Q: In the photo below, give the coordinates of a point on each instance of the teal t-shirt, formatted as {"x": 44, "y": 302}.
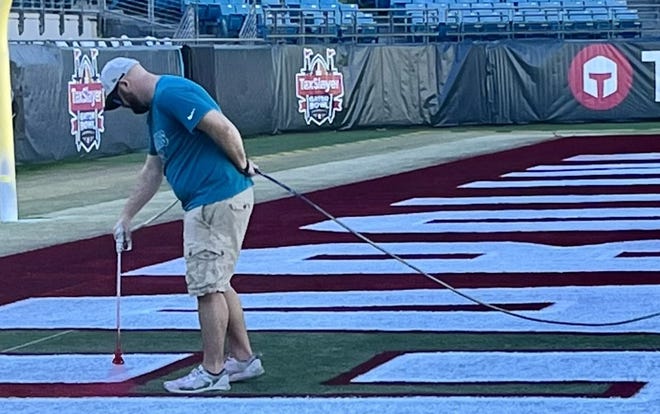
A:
{"x": 195, "y": 166}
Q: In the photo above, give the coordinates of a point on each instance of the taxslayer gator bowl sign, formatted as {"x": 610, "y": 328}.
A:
{"x": 319, "y": 87}
{"x": 600, "y": 77}
{"x": 86, "y": 101}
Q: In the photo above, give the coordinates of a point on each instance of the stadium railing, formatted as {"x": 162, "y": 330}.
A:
{"x": 328, "y": 21}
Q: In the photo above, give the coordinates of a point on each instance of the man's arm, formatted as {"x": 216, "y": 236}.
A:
{"x": 148, "y": 181}
{"x": 225, "y": 134}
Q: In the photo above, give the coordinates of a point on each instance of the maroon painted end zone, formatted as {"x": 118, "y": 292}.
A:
{"x": 87, "y": 267}
{"x": 377, "y": 360}
{"x": 65, "y": 390}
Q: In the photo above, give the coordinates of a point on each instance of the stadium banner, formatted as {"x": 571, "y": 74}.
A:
{"x": 276, "y": 88}
{"x": 462, "y": 74}
{"x": 310, "y": 87}
{"x": 556, "y": 81}
{"x": 244, "y": 86}
{"x": 507, "y": 82}
{"x": 240, "y": 78}
{"x": 350, "y": 86}
{"x": 60, "y": 104}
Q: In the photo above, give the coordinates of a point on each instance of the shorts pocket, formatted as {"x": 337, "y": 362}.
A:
{"x": 203, "y": 268}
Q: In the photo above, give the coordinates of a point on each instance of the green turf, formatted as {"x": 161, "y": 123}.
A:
{"x": 255, "y": 146}
{"x": 300, "y": 363}
{"x": 271, "y": 144}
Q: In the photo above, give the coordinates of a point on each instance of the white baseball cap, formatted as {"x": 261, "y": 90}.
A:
{"x": 112, "y": 72}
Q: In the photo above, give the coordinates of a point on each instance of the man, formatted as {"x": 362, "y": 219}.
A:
{"x": 202, "y": 155}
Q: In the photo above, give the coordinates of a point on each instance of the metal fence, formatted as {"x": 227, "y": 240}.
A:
{"x": 149, "y": 17}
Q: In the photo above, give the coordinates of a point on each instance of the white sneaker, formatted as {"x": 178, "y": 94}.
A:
{"x": 199, "y": 380}
{"x": 243, "y": 370}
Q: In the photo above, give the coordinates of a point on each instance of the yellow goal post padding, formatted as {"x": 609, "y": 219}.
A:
{"x": 8, "y": 198}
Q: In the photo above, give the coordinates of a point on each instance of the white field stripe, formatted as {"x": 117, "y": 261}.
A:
{"x": 351, "y": 405}
{"x": 79, "y": 368}
{"x": 581, "y": 304}
{"x": 538, "y": 199}
{"x": 582, "y": 173}
{"x": 596, "y": 182}
{"x": 490, "y": 221}
{"x": 439, "y": 367}
{"x": 36, "y": 341}
{"x": 577, "y": 167}
{"x": 494, "y": 258}
{"x": 632, "y": 156}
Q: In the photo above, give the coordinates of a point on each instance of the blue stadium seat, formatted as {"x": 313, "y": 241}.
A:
{"x": 314, "y": 18}
{"x": 528, "y": 5}
{"x": 518, "y": 22}
{"x": 570, "y": 5}
{"x": 453, "y": 24}
{"x": 580, "y": 22}
{"x": 366, "y": 23}
{"x": 536, "y": 20}
{"x": 535, "y": 23}
{"x": 602, "y": 19}
{"x": 331, "y": 12}
{"x": 622, "y": 4}
{"x": 399, "y": 4}
{"x": 482, "y": 6}
{"x": 326, "y": 4}
{"x": 275, "y": 4}
{"x": 278, "y": 22}
{"x": 502, "y": 6}
{"x": 292, "y": 4}
{"x": 494, "y": 24}
{"x": 308, "y": 4}
{"x": 348, "y": 18}
{"x": 484, "y": 19}
{"x": 208, "y": 9}
{"x": 599, "y": 10}
{"x": 470, "y": 25}
{"x": 355, "y": 22}
{"x": 626, "y": 23}
{"x": 551, "y": 5}
{"x": 416, "y": 20}
{"x": 230, "y": 19}
{"x": 424, "y": 18}
{"x": 553, "y": 19}
{"x": 591, "y": 4}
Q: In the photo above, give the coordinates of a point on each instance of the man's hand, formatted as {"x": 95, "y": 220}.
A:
{"x": 122, "y": 233}
{"x": 250, "y": 169}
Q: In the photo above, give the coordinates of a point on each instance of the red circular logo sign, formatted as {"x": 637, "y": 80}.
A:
{"x": 600, "y": 77}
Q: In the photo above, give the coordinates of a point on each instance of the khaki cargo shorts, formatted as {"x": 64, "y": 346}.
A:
{"x": 212, "y": 239}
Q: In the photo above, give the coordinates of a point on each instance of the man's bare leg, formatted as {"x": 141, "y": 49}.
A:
{"x": 213, "y": 319}
{"x": 237, "y": 336}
